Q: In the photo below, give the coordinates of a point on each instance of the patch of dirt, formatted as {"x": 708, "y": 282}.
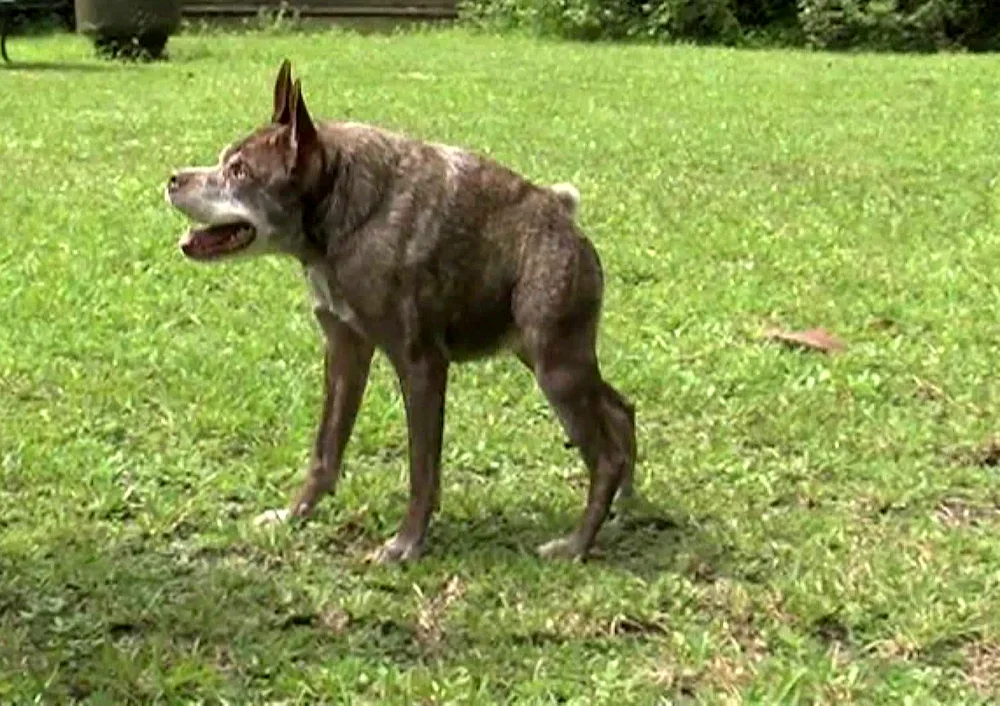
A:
{"x": 295, "y": 620}
{"x": 571, "y": 625}
{"x": 989, "y": 454}
{"x": 883, "y": 324}
{"x": 928, "y": 391}
{"x": 724, "y": 677}
{"x": 896, "y": 649}
{"x": 671, "y": 677}
{"x": 985, "y": 455}
{"x": 433, "y": 610}
{"x": 222, "y": 659}
{"x": 831, "y": 630}
{"x": 795, "y": 499}
{"x": 982, "y": 667}
{"x": 334, "y": 619}
{"x": 740, "y": 618}
{"x": 958, "y": 512}
{"x": 701, "y": 570}
{"x": 623, "y": 625}
{"x": 122, "y": 629}
{"x": 576, "y": 626}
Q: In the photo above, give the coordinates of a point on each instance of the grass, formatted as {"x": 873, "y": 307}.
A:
{"x": 828, "y": 528}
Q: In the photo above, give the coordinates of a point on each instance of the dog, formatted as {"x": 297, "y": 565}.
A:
{"x": 432, "y": 255}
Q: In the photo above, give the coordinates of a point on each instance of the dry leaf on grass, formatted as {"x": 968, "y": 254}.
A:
{"x": 957, "y": 512}
{"x": 335, "y": 619}
{"x": 816, "y": 339}
{"x": 430, "y": 618}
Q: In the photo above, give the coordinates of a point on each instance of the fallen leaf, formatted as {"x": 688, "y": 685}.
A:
{"x": 814, "y": 339}
{"x": 430, "y": 629}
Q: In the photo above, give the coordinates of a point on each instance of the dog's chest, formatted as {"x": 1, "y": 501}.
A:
{"x": 327, "y": 299}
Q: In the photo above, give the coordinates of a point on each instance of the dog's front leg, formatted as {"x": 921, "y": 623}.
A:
{"x": 347, "y": 361}
{"x": 424, "y": 380}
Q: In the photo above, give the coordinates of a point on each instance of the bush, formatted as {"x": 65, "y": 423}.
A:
{"x": 900, "y": 25}
{"x": 699, "y": 20}
{"x": 875, "y": 24}
{"x": 975, "y": 24}
{"x": 766, "y": 14}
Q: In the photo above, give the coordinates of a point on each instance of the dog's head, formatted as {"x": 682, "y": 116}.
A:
{"x": 254, "y": 200}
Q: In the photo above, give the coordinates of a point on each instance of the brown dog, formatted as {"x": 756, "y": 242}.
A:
{"x": 432, "y": 255}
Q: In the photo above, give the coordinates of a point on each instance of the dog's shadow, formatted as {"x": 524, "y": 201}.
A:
{"x": 140, "y": 589}
{"x": 648, "y": 542}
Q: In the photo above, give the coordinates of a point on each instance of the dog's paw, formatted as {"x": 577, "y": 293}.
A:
{"x": 396, "y": 551}
{"x": 563, "y": 548}
{"x": 629, "y": 509}
{"x": 273, "y": 517}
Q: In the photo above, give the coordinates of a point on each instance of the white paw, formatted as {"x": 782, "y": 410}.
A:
{"x": 563, "y": 548}
{"x": 272, "y": 517}
{"x": 396, "y": 551}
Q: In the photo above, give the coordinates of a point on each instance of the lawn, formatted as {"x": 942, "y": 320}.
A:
{"x": 824, "y": 525}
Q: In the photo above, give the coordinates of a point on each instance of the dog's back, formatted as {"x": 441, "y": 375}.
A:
{"x": 454, "y": 227}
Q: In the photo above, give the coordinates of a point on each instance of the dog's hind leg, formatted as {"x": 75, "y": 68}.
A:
{"x": 557, "y": 308}
{"x": 567, "y": 372}
{"x": 347, "y": 363}
{"x": 619, "y": 415}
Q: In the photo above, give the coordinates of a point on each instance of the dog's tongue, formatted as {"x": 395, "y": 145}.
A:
{"x": 216, "y": 240}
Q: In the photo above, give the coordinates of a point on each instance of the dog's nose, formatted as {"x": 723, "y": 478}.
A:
{"x": 173, "y": 182}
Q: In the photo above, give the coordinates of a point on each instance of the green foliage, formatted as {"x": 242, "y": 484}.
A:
{"x": 880, "y": 24}
{"x": 697, "y": 20}
{"x": 903, "y": 25}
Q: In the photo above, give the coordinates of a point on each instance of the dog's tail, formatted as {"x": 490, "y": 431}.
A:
{"x": 568, "y": 195}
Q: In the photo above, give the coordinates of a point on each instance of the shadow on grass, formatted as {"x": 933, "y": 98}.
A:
{"x": 28, "y": 66}
{"x": 648, "y": 544}
{"x": 112, "y": 612}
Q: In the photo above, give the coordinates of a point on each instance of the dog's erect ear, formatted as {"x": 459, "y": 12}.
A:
{"x": 303, "y": 131}
{"x": 282, "y": 95}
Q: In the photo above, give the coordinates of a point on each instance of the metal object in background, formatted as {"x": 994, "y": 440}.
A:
{"x": 129, "y": 28}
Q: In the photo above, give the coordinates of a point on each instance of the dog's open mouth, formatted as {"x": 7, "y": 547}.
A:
{"x": 217, "y": 241}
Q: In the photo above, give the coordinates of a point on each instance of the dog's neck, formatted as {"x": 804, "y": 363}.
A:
{"x": 352, "y": 188}
{"x": 317, "y": 208}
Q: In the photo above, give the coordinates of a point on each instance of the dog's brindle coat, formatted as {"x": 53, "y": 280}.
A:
{"x": 433, "y": 255}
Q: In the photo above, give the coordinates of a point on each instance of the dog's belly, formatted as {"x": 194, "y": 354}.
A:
{"x": 479, "y": 334}
{"x": 479, "y": 329}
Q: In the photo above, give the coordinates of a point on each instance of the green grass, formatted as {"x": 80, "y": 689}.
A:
{"x": 828, "y": 529}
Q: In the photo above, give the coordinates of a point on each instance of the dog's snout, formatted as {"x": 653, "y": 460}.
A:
{"x": 178, "y": 183}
